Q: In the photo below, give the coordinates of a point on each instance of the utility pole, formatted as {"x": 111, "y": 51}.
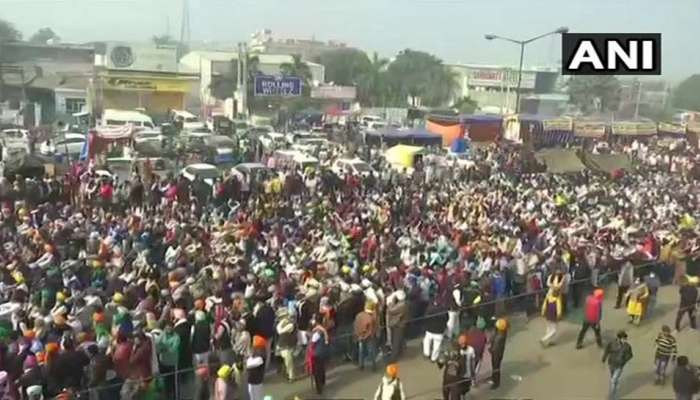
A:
{"x": 243, "y": 54}
{"x": 639, "y": 98}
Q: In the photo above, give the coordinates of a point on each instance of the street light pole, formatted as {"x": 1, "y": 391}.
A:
{"x": 520, "y": 78}
{"x": 522, "y": 44}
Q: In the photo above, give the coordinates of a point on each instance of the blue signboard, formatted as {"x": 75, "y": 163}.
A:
{"x": 286, "y": 86}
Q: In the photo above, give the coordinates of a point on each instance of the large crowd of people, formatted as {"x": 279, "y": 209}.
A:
{"x": 170, "y": 288}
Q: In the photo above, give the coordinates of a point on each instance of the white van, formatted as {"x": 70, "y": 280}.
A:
{"x": 294, "y": 159}
{"x": 112, "y": 117}
{"x": 189, "y": 120}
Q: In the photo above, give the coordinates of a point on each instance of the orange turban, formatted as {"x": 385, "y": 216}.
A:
{"x": 52, "y": 348}
{"x": 259, "y": 342}
{"x": 392, "y": 370}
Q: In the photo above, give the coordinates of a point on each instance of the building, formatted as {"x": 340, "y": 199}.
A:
{"x": 494, "y": 86}
{"x": 309, "y": 49}
{"x": 652, "y": 95}
{"x": 144, "y": 76}
{"x": 46, "y": 82}
{"x": 218, "y": 71}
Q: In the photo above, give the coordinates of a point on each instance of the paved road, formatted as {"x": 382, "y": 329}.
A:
{"x": 529, "y": 371}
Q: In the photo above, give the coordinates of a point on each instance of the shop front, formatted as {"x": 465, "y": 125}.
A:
{"x": 155, "y": 92}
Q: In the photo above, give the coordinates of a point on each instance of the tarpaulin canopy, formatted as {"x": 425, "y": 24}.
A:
{"x": 634, "y": 128}
{"x": 560, "y": 161}
{"x": 589, "y": 129}
{"x": 416, "y": 136}
{"x": 449, "y": 131}
{"x": 460, "y": 146}
{"x": 607, "y": 163}
{"x": 546, "y": 131}
{"x": 403, "y": 155}
{"x": 118, "y": 132}
{"x": 667, "y": 129}
{"x": 477, "y": 127}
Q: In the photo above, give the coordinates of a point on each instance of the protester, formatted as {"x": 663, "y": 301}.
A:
{"x": 688, "y": 303}
{"x": 617, "y": 354}
{"x": 497, "y": 350}
{"x": 666, "y": 350}
{"x": 316, "y": 357}
{"x": 435, "y": 327}
{"x": 366, "y": 334}
{"x": 452, "y": 363}
{"x": 592, "y": 315}
{"x": 637, "y": 298}
{"x": 685, "y": 380}
{"x": 255, "y": 366}
{"x": 390, "y": 388}
{"x": 552, "y": 311}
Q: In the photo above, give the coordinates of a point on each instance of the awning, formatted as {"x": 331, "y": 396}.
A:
{"x": 589, "y": 129}
{"x": 634, "y": 128}
{"x": 402, "y": 155}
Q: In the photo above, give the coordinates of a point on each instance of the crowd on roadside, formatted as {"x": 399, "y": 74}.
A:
{"x": 170, "y": 288}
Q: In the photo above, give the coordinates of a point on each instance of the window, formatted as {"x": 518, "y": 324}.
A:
{"x": 74, "y": 105}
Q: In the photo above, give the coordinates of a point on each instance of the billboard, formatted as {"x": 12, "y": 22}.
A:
{"x": 334, "y": 92}
{"x": 286, "y": 86}
{"x": 498, "y": 77}
{"x": 140, "y": 57}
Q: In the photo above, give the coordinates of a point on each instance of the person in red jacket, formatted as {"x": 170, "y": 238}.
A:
{"x": 592, "y": 314}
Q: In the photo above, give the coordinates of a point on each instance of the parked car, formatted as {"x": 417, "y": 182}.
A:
{"x": 189, "y": 120}
{"x": 205, "y": 172}
{"x": 70, "y": 144}
{"x": 248, "y": 173}
{"x": 356, "y": 166}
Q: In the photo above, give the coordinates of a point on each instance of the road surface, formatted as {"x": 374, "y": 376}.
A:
{"x": 529, "y": 372}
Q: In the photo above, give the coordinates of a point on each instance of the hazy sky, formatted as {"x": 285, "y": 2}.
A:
{"x": 452, "y": 29}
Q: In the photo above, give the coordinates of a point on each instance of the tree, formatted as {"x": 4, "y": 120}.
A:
{"x": 465, "y": 105}
{"x": 8, "y": 32}
{"x": 373, "y": 84}
{"x": 687, "y": 95}
{"x": 298, "y": 68}
{"x": 43, "y": 35}
{"x": 594, "y": 93}
{"x": 421, "y": 75}
{"x": 344, "y": 66}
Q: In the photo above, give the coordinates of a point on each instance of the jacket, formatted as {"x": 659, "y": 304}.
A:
{"x": 168, "y": 347}
{"x": 390, "y": 389}
{"x": 685, "y": 381}
{"x": 437, "y": 323}
{"x": 594, "y": 310}
{"x": 626, "y": 276}
{"x": 396, "y": 314}
{"x": 498, "y": 347}
{"x": 689, "y": 296}
{"x": 140, "y": 361}
{"x": 617, "y": 353}
{"x": 365, "y": 325}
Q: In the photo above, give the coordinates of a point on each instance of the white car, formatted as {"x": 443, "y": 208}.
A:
{"x": 355, "y": 165}
{"x": 462, "y": 159}
{"x": 270, "y": 138}
{"x": 70, "y": 144}
{"x": 15, "y": 137}
{"x": 205, "y": 172}
{"x": 148, "y": 136}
